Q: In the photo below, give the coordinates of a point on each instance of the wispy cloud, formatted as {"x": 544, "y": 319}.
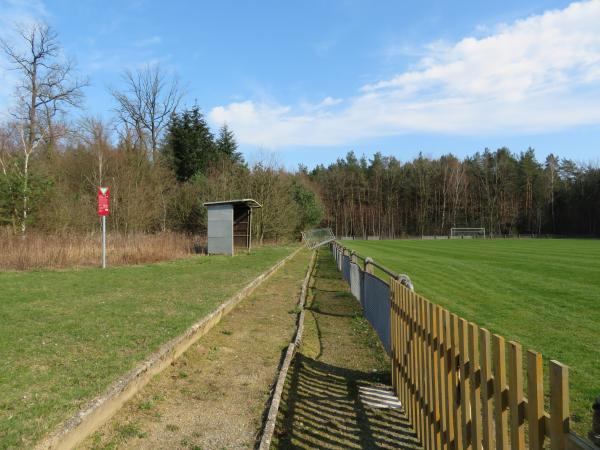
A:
{"x": 537, "y": 74}
{"x": 148, "y": 42}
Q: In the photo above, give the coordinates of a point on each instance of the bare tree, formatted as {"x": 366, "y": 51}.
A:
{"x": 146, "y": 104}
{"x": 47, "y": 85}
{"x": 94, "y": 132}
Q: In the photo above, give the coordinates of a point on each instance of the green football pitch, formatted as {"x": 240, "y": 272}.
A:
{"x": 544, "y": 294}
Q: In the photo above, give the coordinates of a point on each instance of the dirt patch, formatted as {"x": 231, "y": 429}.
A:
{"x": 214, "y": 395}
{"x": 340, "y": 356}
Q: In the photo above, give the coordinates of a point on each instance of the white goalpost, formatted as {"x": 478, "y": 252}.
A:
{"x": 468, "y": 233}
{"x": 318, "y": 237}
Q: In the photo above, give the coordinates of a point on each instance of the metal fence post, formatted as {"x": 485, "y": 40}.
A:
{"x": 368, "y": 265}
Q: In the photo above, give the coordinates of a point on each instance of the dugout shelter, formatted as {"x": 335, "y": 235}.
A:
{"x": 230, "y": 225}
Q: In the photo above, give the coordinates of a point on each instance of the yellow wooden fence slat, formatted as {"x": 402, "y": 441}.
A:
{"x": 417, "y": 363}
{"x": 535, "y": 403}
{"x": 464, "y": 384}
{"x": 434, "y": 377}
{"x": 422, "y": 375}
{"x": 428, "y": 377}
{"x": 441, "y": 375}
{"x": 500, "y": 397}
{"x": 487, "y": 390}
{"x": 457, "y": 413}
{"x": 449, "y": 383}
{"x": 559, "y": 405}
{"x": 515, "y": 396}
{"x": 473, "y": 338}
{"x": 413, "y": 364}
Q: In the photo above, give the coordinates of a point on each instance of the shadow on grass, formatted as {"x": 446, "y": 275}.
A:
{"x": 324, "y": 410}
{"x": 321, "y": 405}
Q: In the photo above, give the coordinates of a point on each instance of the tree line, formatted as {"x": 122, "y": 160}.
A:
{"x": 162, "y": 166}
{"x": 505, "y": 193}
{"x": 162, "y": 161}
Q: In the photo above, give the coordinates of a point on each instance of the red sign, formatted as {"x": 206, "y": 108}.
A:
{"x": 103, "y": 197}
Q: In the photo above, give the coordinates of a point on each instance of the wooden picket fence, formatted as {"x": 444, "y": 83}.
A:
{"x": 451, "y": 377}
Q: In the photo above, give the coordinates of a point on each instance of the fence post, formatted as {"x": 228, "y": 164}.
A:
{"x": 559, "y": 405}
{"x": 595, "y": 433}
{"x": 515, "y": 396}
{"x": 535, "y": 407}
{"x": 475, "y": 380}
{"x": 368, "y": 265}
{"x": 487, "y": 389}
{"x": 464, "y": 383}
{"x": 500, "y": 393}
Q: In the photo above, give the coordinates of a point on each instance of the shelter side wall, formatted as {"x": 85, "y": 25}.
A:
{"x": 220, "y": 229}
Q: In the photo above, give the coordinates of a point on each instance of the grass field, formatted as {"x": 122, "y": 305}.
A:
{"x": 66, "y": 335}
{"x": 544, "y": 294}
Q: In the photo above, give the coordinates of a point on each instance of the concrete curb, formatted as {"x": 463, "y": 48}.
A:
{"x": 269, "y": 428}
{"x": 102, "y": 408}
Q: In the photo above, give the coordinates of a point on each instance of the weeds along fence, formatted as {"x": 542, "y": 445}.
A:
{"x": 461, "y": 386}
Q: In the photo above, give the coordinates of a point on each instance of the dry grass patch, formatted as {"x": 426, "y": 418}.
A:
{"x": 41, "y": 251}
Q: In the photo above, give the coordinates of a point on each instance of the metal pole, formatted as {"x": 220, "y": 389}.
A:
{"x": 104, "y": 242}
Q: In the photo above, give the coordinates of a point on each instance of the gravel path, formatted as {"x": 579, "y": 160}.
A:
{"x": 213, "y": 397}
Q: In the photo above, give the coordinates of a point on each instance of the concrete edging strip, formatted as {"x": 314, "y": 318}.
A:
{"x": 98, "y": 411}
{"x": 269, "y": 428}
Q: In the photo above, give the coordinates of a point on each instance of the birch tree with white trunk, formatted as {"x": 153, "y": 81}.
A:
{"x": 47, "y": 86}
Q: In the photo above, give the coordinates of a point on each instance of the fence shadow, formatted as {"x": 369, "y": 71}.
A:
{"x": 325, "y": 410}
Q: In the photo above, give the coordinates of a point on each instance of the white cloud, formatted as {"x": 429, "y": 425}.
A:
{"x": 538, "y": 74}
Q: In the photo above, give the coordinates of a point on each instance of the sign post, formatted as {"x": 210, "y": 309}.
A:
{"x": 103, "y": 210}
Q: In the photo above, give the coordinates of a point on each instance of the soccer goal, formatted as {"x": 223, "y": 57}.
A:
{"x": 468, "y": 233}
{"x": 315, "y": 238}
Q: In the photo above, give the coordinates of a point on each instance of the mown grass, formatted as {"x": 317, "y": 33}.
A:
{"x": 340, "y": 353}
{"x": 544, "y": 294}
{"x": 66, "y": 335}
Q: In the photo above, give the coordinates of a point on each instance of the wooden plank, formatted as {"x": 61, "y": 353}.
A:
{"x": 487, "y": 390}
{"x": 403, "y": 335}
{"x": 412, "y": 356}
{"x": 456, "y": 414}
{"x": 448, "y": 382}
{"x": 441, "y": 375}
{"x": 394, "y": 340}
{"x": 474, "y": 375}
{"x": 500, "y": 397}
{"x": 418, "y": 417}
{"x": 559, "y": 405}
{"x": 428, "y": 376}
{"x": 515, "y": 396}
{"x": 434, "y": 376}
{"x": 464, "y": 384}
{"x": 535, "y": 404}
{"x": 421, "y": 372}
{"x": 404, "y": 328}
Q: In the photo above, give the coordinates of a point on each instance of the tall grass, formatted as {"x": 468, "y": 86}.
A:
{"x": 40, "y": 251}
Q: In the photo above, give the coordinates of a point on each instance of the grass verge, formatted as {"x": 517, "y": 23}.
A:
{"x": 66, "y": 335}
{"x": 213, "y": 396}
{"x": 340, "y": 354}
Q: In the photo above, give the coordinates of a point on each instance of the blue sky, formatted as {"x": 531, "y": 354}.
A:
{"x": 310, "y": 80}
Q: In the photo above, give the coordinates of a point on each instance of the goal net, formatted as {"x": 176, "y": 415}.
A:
{"x": 469, "y": 233}
{"x": 317, "y": 237}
